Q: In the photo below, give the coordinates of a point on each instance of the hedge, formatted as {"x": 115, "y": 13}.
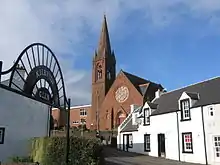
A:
{"x": 51, "y": 151}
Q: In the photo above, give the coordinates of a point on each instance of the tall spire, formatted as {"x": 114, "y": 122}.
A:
{"x": 104, "y": 41}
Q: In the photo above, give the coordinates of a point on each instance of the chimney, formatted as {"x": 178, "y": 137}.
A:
{"x": 158, "y": 93}
{"x": 133, "y": 107}
{"x": 0, "y": 73}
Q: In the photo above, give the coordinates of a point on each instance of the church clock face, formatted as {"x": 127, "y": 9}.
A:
{"x": 122, "y": 94}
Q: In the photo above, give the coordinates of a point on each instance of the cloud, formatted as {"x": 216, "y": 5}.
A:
{"x": 64, "y": 25}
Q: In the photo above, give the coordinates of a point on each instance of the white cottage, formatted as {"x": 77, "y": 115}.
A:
{"x": 21, "y": 118}
{"x": 181, "y": 125}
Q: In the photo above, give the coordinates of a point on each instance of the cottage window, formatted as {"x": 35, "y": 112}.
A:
{"x": 83, "y": 112}
{"x": 187, "y": 142}
{"x": 185, "y": 107}
{"x": 147, "y": 142}
{"x": 217, "y": 146}
{"x": 146, "y": 116}
{"x": 75, "y": 122}
{"x": 2, "y": 135}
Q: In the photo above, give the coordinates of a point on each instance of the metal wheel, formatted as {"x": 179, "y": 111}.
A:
{"x": 37, "y": 73}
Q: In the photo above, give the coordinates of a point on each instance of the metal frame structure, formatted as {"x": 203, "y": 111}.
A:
{"x": 37, "y": 74}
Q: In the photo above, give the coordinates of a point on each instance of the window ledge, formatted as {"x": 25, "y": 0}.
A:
{"x": 187, "y": 152}
{"x": 185, "y": 119}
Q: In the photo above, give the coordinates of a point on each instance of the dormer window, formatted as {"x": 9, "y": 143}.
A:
{"x": 185, "y": 108}
{"x": 146, "y": 116}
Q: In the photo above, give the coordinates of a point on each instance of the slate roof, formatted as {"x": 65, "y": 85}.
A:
{"x": 18, "y": 83}
{"x": 194, "y": 96}
{"x": 152, "y": 105}
{"x": 139, "y": 83}
{"x": 208, "y": 92}
{"x": 129, "y": 127}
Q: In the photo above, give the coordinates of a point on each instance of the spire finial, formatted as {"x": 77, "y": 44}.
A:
{"x": 104, "y": 41}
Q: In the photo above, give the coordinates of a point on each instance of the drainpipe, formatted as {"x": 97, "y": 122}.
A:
{"x": 204, "y": 135}
{"x": 0, "y": 73}
{"x": 178, "y": 133}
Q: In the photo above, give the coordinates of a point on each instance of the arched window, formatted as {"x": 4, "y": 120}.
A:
{"x": 99, "y": 72}
{"x": 112, "y": 118}
{"x": 106, "y": 115}
{"x": 120, "y": 118}
{"x": 108, "y": 75}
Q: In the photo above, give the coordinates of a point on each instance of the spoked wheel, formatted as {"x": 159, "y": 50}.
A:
{"x": 37, "y": 73}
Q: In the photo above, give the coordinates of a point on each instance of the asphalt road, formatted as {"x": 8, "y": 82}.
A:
{"x": 116, "y": 157}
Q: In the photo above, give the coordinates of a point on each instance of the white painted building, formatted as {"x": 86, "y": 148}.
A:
{"x": 181, "y": 125}
{"x": 21, "y": 118}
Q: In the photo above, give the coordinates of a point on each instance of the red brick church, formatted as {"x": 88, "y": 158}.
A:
{"x": 112, "y": 94}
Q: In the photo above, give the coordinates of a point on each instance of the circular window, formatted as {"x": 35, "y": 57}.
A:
{"x": 122, "y": 94}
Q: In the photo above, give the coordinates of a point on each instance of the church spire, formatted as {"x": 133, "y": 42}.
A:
{"x": 104, "y": 41}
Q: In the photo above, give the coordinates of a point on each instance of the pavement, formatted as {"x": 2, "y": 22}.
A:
{"x": 116, "y": 157}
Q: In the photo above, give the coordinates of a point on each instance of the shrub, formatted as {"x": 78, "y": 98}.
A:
{"x": 51, "y": 151}
{"x": 20, "y": 159}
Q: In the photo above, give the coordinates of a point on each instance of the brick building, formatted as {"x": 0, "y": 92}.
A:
{"x": 111, "y": 95}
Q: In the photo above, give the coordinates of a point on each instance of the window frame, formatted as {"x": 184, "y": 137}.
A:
{"x": 99, "y": 72}
{"x": 83, "y": 112}
{"x": 184, "y": 150}
{"x": 2, "y": 135}
{"x": 145, "y": 117}
{"x": 146, "y": 149}
{"x": 216, "y": 140}
{"x": 183, "y": 118}
{"x": 75, "y": 122}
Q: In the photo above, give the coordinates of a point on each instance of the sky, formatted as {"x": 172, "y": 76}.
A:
{"x": 174, "y": 42}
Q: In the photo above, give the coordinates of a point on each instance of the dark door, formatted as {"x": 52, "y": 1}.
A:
{"x": 161, "y": 145}
{"x": 125, "y": 142}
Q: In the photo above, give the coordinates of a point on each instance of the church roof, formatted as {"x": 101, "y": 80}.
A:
{"x": 140, "y": 84}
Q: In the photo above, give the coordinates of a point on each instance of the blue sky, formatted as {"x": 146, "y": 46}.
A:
{"x": 182, "y": 53}
{"x": 172, "y": 42}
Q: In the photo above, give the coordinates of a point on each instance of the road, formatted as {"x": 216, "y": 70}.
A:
{"x": 116, "y": 157}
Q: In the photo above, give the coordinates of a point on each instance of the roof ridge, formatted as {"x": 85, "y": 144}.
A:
{"x": 134, "y": 75}
{"x": 210, "y": 79}
{"x": 144, "y": 84}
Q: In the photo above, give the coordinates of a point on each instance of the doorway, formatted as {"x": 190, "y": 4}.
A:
{"x": 161, "y": 145}
{"x": 127, "y": 142}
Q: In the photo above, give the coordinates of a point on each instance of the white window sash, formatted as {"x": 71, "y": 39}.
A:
{"x": 186, "y": 109}
{"x": 186, "y": 149}
{"x": 147, "y": 142}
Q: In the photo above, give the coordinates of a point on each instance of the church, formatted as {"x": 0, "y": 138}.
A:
{"x": 112, "y": 95}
